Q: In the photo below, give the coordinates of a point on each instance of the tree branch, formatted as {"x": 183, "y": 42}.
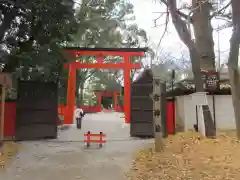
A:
{"x": 179, "y": 24}
{"x": 165, "y": 29}
{"x": 183, "y": 15}
{"x": 91, "y": 74}
{"x": 221, "y": 10}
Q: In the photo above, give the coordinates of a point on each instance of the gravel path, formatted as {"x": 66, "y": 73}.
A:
{"x": 67, "y": 158}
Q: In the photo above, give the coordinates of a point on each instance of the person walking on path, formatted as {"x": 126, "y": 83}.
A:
{"x": 79, "y": 114}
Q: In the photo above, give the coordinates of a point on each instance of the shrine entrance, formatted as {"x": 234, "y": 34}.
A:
{"x": 100, "y": 54}
{"x": 107, "y": 103}
{"x": 108, "y": 100}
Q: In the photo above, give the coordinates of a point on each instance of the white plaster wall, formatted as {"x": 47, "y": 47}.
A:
{"x": 180, "y": 116}
{"x": 190, "y": 111}
{"x": 224, "y": 112}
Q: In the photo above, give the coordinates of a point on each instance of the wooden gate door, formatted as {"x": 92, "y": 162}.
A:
{"x": 141, "y": 110}
{"x": 37, "y": 110}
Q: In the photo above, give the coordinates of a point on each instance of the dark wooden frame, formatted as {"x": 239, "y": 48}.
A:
{"x": 37, "y": 110}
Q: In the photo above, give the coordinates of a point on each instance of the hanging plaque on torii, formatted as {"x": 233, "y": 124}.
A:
{"x": 100, "y": 53}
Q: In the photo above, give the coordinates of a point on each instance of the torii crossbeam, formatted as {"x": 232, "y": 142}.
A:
{"x": 100, "y": 53}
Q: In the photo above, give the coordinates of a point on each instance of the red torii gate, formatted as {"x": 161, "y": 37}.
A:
{"x": 106, "y": 93}
{"x": 99, "y": 53}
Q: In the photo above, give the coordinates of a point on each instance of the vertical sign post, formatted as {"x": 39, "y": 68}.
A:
{"x": 157, "y": 117}
{"x": 164, "y": 110}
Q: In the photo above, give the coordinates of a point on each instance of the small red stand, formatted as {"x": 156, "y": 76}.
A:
{"x": 88, "y": 140}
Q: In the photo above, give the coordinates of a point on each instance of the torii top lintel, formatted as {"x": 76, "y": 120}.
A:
{"x": 105, "y": 51}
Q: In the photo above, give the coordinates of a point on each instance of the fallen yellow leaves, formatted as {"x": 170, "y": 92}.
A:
{"x": 189, "y": 156}
{"x": 10, "y": 149}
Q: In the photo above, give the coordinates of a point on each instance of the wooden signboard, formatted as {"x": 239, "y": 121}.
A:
{"x": 157, "y": 114}
{"x": 211, "y": 81}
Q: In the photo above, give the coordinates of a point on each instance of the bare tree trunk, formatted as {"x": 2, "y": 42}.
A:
{"x": 201, "y": 22}
{"x": 185, "y": 36}
{"x": 196, "y": 69}
{"x": 233, "y": 63}
{"x": 81, "y": 93}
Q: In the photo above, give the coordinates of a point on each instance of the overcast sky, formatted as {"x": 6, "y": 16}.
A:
{"x": 145, "y": 14}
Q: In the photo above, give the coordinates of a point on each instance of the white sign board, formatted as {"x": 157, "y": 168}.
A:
{"x": 199, "y": 98}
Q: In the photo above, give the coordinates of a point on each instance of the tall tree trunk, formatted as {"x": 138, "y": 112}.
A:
{"x": 185, "y": 36}
{"x": 203, "y": 33}
{"x": 81, "y": 78}
{"x": 204, "y": 44}
{"x": 79, "y": 93}
{"x": 233, "y": 63}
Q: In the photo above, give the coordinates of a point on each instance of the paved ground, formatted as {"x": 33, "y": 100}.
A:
{"x": 66, "y": 158}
